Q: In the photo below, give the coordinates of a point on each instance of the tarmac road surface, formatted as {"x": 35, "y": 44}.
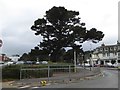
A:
{"x": 109, "y": 80}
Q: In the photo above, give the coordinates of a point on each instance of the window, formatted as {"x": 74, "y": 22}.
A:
{"x": 100, "y": 49}
{"x": 103, "y": 54}
{"x": 115, "y": 53}
{"x": 118, "y": 47}
{"x": 111, "y": 49}
{"x": 118, "y": 61}
{"x": 106, "y": 49}
{"x": 108, "y": 54}
{"x": 107, "y": 61}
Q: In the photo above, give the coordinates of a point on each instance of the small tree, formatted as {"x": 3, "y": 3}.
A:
{"x": 62, "y": 28}
{"x": 24, "y": 57}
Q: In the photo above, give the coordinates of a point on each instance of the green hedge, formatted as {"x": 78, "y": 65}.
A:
{"x": 13, "y": 72}
{"x": 36, "y": 73}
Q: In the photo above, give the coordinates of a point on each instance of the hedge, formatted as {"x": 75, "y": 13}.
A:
{"x": 13, "y": 72}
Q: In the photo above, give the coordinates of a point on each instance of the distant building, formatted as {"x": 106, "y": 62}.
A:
{"x": 14, "y": 58}
{"x": 106, "y": 54}
{"x": 3, "y": 57}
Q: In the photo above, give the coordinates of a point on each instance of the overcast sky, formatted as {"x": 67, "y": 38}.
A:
{"x": 17, "y": 16}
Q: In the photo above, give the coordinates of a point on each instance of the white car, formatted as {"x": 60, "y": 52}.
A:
{"x": 8, "y": 63}
{"x": 37, "y": 62}
{"x": 86, "y": 65}
{"x": 109, "y": 64}
{"x": 20, "y": 62}
{"x": 116, "y": 65}
{"x": 1, "y": 64}
{"x": 44, "y": 62}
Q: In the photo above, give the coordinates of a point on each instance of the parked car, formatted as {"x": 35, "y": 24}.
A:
{"x": 109, "y": 64}
{"x": 96, "y": 65}
{"x": 1, "y": 63}
{"x": 20, "y": 62}
{"x": 44, "y": 62}
{"x": 28, "y": 62}
{"x": 37, "y": 62}
{"x": 9, "y": 63}
{"x": 116, "y": 65}
{"x": 86, "y": 65}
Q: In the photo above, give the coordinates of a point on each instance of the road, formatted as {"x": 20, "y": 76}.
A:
{"x": 109, "y": 80}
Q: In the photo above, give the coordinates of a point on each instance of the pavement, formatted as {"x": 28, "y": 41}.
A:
{"x": 58, "y": 78}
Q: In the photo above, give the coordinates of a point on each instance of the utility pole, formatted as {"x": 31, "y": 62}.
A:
{"x": 90, "y": 57}
{"x": 74, "y": 60}
{"x": 75, "y": 47}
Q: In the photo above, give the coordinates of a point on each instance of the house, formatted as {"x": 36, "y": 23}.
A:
{"x": 106, "y": 54}
{"x": 14, "y": 58}
{"x": 3, "y": 57}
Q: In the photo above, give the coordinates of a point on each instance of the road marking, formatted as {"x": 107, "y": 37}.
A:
{"x": 25, "y": 86}
{"x": 34, "y": 87}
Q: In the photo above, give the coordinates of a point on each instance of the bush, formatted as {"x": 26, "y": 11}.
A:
{"x": 13, "y": 72}
{"x": 36, "y": 74}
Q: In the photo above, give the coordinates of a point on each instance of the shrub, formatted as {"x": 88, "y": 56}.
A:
{"x": 13, "y": 72}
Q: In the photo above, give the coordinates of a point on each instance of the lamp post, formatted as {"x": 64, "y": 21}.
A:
{"x": 75, "y": 48}
{"x": 74, "y": 60}
{"x": 90, "y": 57}
{"x": 83, "y": 57}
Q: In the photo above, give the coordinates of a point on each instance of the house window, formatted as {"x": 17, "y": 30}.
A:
{"x": 115, "y": 53}
{"x": 108, "y": 54}
{"x": 118, "y": 61}
{"x": 111, "y": 49}
{"x": 118, "y": 47}
{"x": 106, "y": 49}
{"x": 115, "y": 48}
{"x": 101, "y": 49}
{"x": 107, "y": 61}
{"x": 103, "y": 54}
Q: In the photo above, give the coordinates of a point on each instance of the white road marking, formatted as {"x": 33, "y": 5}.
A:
{"x": 25, "y": 86}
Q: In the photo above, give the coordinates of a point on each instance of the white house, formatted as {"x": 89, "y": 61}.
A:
{"x": 106, "y": 54}
{"x": 14, "y": 58}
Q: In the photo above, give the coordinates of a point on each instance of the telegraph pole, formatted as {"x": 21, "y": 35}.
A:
{"x": 75, "y": 60}
{"x": 91, "y": 57}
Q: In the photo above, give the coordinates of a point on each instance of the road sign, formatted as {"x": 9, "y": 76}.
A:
{"x": 1, "y": 43}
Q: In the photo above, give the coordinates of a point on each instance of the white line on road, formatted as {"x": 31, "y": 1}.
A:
{"x": 25, "y": 86}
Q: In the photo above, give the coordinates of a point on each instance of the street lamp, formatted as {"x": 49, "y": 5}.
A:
{"x": 74, "y": 60}
{"x": 83, "y": 58}
{"x": 75, "y": 47}
{"x": 91, "y": 57}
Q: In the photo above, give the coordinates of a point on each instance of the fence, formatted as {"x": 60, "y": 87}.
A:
{"x": 56, "y": 73}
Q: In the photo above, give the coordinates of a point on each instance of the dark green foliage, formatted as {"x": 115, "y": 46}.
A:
{"x": 69, "y": 56}
{"x": 94, "y": 35}
{"x": 61, "y": 28}
{"x": 24, "y": 57}
{"x": 11, "y": 72}
{"x": 36, "y": 73}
